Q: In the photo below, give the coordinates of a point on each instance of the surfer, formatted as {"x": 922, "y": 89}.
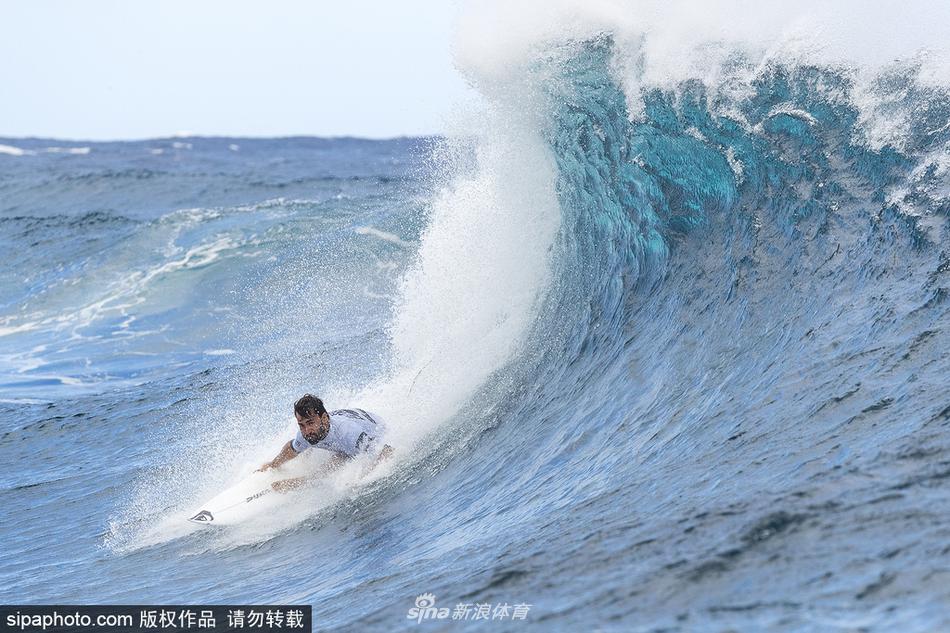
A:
{"x": 344, "y": 432}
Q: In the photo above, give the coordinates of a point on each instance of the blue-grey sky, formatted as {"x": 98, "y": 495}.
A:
{"x": 120, "y": 69}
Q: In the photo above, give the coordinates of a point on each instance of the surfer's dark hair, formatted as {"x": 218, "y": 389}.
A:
{"x": 309, "y": 406}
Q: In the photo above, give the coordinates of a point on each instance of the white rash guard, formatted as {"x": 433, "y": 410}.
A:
{"x": 352, "y": 431}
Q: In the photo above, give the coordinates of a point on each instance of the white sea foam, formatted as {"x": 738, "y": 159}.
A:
{"x": 383, "y": 235}
{"x": 6, "y": 330}
{"x": 482, "y": 269}
{"x": 659, "y": 43}
{"x": 68, "y": 150}
{"x": 735, "y": 164}
{"x": 126, "y": 291}
{"x": 496, "y": 38}
{"x": 121, "y": 291}
{"x": 10, "y": 150}
{"x": 219, "y": 352}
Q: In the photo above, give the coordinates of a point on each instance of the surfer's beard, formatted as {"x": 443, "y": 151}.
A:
{"x": 313, "y": 438}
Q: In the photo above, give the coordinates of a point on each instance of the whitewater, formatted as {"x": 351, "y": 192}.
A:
{"x": 661, "y": 328}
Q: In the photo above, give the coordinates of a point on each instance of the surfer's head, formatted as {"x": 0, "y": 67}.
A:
{"x": 311, "y": 417}
{"x": 309, "y": 406}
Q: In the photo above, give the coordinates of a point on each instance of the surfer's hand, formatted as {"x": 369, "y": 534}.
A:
{"x": 384, "y": 454}
{"x": 264, "y": 467}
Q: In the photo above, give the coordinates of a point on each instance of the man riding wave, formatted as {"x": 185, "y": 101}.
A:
{"x": 344, "y": 432}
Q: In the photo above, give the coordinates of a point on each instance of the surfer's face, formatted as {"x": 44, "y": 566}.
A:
{"x": 312, "y": 427}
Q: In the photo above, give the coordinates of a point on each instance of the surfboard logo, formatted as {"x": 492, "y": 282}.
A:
{"x": 202, "y": 517}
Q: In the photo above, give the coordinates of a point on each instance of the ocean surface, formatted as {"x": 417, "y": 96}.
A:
{"x": 672, "y": 361}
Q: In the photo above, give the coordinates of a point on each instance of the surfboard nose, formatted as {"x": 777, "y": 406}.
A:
{"x": 202, "y": 517}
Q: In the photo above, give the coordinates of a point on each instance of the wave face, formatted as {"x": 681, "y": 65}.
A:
{"x": 667, "y": 359}
{"x": 733, "y": 398}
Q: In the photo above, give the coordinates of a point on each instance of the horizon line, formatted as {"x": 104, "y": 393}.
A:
{"x": 189, "y": 135}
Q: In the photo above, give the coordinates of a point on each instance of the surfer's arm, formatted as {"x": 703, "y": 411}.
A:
{"x": 286, "y": 454}
{"x": 285, "y": 485}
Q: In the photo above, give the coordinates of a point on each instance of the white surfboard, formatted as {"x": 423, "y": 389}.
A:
{"x": 246, "y": 498}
